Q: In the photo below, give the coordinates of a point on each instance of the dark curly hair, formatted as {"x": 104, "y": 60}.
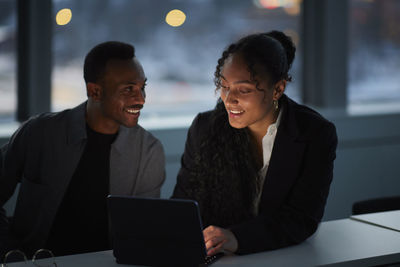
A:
{"x": 273, "y": 51}
{"x": 97, "y": 58}
{"x": 225, "y": 182}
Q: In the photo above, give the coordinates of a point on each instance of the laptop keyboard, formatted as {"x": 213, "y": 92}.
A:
{"x": 211, "y": 259}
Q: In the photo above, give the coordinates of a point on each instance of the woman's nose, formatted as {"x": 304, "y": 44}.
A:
{"x": 231, "y": 97}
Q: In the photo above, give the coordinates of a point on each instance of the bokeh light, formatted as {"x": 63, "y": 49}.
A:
{"x": 291, "y": 7}
{"x": 270, "y": 4}
{"x": 64, "y": 16}
{"x": 175, "y": 18}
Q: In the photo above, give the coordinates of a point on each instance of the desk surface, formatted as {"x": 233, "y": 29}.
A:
{"x": 336, "y": 243}
{"x": 388, "y": 219}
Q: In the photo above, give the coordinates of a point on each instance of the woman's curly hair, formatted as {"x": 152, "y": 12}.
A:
{"x": 225, "y": 181}
{"x": 273, "y": 51}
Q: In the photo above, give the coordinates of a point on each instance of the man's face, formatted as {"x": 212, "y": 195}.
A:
{"x": 122, "y": 93}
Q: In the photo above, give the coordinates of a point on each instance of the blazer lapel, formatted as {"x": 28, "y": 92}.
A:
{"x": 72, "y": 152}
{"x": 124, "y": 162}
{"x": 63, "y": 157}
{"x": 285, "y": 161}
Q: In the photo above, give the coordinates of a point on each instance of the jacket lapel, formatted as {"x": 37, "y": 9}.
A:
{"x": 124, "y": 161}
{"x": 285, "y": 160}
{"x": 72, "y": 152}
{"x": 63, "y": 158}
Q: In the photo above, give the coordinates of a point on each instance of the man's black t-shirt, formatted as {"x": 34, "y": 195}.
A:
{"x": 81, "y": 223}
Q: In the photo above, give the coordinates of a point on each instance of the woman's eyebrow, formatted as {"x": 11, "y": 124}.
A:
{"x": 243, "y": 81}
{"x": 238, "y": 82}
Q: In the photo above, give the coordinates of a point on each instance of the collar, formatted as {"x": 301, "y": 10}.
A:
{"x": 77, "y": 129}
{"x": 77, "y": 124}
{"x": 120, "y": 142}
{"x": 274, "y": 126}
{"x": 288, "y": 121}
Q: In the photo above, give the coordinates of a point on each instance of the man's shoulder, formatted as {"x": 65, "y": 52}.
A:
{"x": 53, "y": 118}
{"x": 48, "y": 118}
{"x": 50, "y": 125}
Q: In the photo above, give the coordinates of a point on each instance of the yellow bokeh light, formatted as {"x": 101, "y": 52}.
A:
{"x": 63, "y": 16}
{"x": 293, "y": 10}
{"x": 175, "y": 18}
{"x": 270, "y": 4}
{"x": 292, "y": 7}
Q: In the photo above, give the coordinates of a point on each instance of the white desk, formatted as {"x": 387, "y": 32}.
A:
{"x": 336, "y": 243}
{"x": 388, "y": 219}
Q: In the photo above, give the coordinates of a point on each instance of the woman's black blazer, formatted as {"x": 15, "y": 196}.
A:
{"x": 297, "y": 183}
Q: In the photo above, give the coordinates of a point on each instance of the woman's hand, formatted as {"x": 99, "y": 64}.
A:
{"x": 219, "y": 239}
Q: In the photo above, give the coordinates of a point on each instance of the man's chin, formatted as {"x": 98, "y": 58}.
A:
{"x": 130, "y": 124}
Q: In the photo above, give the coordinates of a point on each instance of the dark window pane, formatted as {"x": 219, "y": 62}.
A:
{"x": 7, "y": 59}
{"x": 179, "y": 62}
{"x": 374, "y": 63}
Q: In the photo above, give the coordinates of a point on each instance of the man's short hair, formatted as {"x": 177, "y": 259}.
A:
{"x": 96, "y": 60}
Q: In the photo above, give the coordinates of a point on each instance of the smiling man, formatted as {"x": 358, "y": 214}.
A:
{"x": 68, "y": 162}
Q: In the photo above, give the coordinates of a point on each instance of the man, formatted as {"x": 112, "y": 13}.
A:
{"x": 68, "y": 162}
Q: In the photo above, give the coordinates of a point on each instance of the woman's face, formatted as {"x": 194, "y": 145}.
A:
{"x": 246, "y": 105}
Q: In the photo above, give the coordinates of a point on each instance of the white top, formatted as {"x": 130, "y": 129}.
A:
{"x": 267, "y": 146}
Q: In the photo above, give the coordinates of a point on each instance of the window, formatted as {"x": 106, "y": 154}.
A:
{"x": 179, "y": 62}
{"x": 374, "y": 58}
{"x": 8, "y": 60}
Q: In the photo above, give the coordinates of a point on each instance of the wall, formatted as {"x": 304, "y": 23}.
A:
{"x": 367, "y": 163}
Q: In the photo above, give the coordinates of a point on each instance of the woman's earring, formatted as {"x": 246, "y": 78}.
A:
{"x": 276, "y": 104}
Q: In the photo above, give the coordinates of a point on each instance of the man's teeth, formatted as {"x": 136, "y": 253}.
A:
{"x": 133, "y": 111}
{"x": 236, "y": 111}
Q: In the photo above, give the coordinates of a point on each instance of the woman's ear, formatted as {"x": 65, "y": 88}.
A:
{"x": 279, "y": 89}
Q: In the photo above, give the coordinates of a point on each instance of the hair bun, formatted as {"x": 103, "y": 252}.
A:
{"x": 287, "y": 43}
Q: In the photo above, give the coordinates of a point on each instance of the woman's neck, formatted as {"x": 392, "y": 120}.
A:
{"x": 257, "y": 134}
{"x": 260, "y": 130}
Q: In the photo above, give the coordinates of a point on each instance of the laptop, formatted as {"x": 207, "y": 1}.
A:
{"x": 157, "y": 232}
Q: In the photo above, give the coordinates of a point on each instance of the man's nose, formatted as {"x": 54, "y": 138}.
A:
{"x": 140, "y": 97}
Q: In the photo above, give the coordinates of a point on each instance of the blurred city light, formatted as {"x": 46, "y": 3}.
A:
{"x": 291, "y": 7}
{"x": 63, "y": 16}
{"x": 270, "y": 4}
{"x": 175, "y": 18}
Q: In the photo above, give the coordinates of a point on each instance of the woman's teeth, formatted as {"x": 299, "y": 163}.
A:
{"x": 236, "y": 111}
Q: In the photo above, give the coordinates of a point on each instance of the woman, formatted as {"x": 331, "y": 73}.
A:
{"x": 259, "y": 164}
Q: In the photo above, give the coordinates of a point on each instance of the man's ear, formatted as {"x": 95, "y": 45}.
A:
{"x": 94, "y": 91}
{"x": 279, "y": 89}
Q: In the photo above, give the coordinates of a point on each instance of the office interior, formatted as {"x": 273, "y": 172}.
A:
{"x": 348, "y": 51}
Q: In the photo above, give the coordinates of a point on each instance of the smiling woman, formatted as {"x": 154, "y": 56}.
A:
{"x": 259, "y": 164}
{"x": 247, "y": 105}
